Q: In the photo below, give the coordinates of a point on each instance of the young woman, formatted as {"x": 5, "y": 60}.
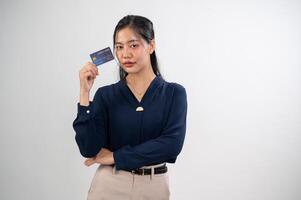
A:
{"x": 134, "y": 126}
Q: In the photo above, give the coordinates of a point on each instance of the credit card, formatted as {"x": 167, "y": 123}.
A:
{"x": 102, "y": 56}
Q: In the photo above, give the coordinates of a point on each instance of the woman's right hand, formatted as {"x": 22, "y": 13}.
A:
{"x": 87, "y": 74}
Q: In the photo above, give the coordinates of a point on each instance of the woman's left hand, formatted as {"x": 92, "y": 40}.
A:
{"x": 104, "y": 157}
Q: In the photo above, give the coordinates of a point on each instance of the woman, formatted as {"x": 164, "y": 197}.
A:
{"x": 133, "y": 127}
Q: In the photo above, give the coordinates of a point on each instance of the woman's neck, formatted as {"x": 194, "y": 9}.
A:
{"x": 142, "y": 79}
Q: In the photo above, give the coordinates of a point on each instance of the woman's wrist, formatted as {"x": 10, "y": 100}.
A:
{"x": 84, "y": 98}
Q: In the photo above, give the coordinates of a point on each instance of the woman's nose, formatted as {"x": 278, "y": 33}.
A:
{"x": 126, "y": 52}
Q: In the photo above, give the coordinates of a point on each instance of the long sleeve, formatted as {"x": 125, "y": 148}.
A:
{"x": 163, "y": 148}
{"x": 90, "y": 126}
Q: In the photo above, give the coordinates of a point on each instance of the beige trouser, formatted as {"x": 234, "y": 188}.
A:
{"x": 111, "y": 184}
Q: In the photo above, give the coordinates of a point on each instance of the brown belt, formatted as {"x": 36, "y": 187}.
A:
{"x": 147, "y": 171}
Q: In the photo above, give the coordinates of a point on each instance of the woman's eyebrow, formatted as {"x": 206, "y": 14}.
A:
{"x": 130, "y": 41}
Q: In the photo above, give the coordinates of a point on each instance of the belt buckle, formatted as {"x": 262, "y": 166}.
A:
{"x": 138, "y": 171}
{"x": 133, "y": 172}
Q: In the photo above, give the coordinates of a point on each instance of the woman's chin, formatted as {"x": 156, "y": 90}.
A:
{"x": 130, "y": 70}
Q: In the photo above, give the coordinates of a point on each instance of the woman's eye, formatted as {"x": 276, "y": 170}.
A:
{"x": 134, "y": 45}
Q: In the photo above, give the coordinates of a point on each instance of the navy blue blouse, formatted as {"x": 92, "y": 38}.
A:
{"x": 141, "y": 133}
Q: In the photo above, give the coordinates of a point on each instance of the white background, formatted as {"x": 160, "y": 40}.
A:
{"x": 240, "y": 62}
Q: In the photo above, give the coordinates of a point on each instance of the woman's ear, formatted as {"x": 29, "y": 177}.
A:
{"x": 152, "y": 46}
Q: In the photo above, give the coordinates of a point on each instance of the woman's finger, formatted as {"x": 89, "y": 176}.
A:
{"x": 93, "y": 68}
{"x": 89, "y": 74}
{"x": 89, "y": 162}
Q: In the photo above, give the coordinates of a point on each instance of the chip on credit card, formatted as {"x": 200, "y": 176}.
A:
{"x": 102, "y": 56}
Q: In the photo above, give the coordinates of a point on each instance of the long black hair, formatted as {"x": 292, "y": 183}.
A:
{"x": 143, "y": 27}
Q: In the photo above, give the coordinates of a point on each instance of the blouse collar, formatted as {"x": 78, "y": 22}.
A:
{"x": 149, "y": 93}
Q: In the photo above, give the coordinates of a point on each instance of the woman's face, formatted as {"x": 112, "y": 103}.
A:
{"x": 132, "y": 51}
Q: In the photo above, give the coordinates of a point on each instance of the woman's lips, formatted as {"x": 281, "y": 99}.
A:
{"x": 128, "y": 64}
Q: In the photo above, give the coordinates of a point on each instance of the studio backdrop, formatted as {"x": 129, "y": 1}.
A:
{"x": 240, "y": 62}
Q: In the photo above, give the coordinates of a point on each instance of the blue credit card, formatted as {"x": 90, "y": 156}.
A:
{"x": 102, "y": 56}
